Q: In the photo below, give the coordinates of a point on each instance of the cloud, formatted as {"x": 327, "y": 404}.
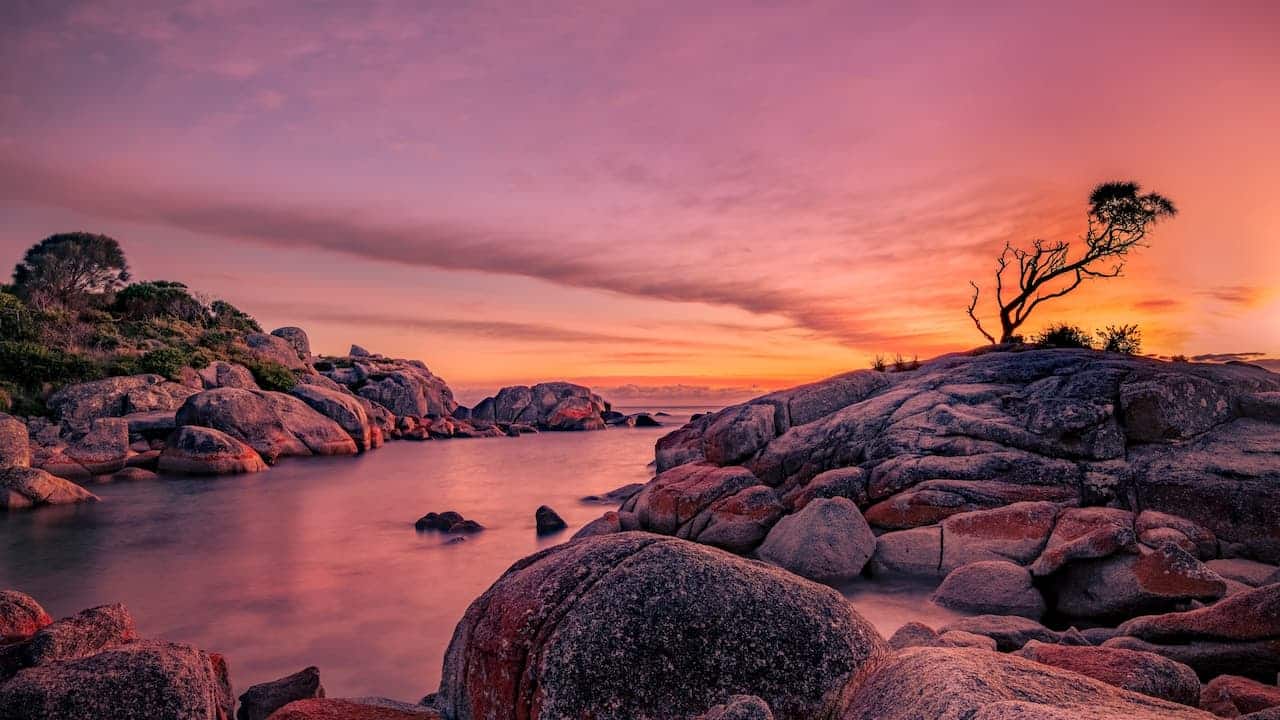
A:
{"x": 1245, "y": 296}
{"x": 1158, "y": 304}
{"x": 448, "y": 245}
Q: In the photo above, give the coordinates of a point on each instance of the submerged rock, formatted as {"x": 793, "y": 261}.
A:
{"x": 635, "y": 625}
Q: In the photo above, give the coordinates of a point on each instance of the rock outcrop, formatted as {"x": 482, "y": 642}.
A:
{"x": 636, "y": 625}
{"x": 968, "y": 684}
{"x": 80, "y": 404}
{"x": 24, "y": 487}
{"x": 20, "y": 616}
{"x": 195, "y": 450}
{"x": 263, "y": 699}
{"x": 274, "y": 424}
{"x": 15, "y": 448}
{"x": 1232, "y": 696}
{"x": 1141, "y": 672}
{"x": 548, "y": 406}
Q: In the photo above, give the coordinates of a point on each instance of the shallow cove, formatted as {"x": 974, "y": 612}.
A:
{"x": 316, "y": 561}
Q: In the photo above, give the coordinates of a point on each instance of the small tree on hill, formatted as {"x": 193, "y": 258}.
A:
{"x": 1118, "y": 221}
{"x": 67, "y": 268}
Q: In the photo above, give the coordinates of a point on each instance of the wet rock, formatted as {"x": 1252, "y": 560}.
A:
{"x": 438, "y": 521}
{"x": 1017, "y": 533}
{"x": 1085, "y": 533}
{"x": 739, "y": 707}
{"x": 24, "y": 487}
{"x": 991, "y": 587}
{"x": 914, "y": 553}
{"x": 1154, "y": 528}
{"x": 195, "y": 450}
{"x": 20, "y": 616}
{"x": 828, "y": 541}
{"x": 1231, "y": 696}
{"x": 1248, "y": 572}
{"x": 1127, "y": 585}
{"x": 1010, "y": 632}
{"x": 142, "y": 680}
{"x": 617, "y": 496}
{"x": 342, "y": 408}
{"x": 259, "y": 701}
{"x": 964, "y": 684}
{"x": 15, "y": 448}
{"x": 1140, "y": 672}
{"x": 133, "y": 474}
{"x": 104, "y": 448}
{"x": 1252, "y": 615}
{"x": 1258, "y": 659}
{"x": 603, "y": 628}
{"x": 353, "y": 709}
{"x": 677, "y": 496}
{"x": 81, "y": 635}
{"x": 848, "y": 483}
{"x": 739, "y": 522}
{"x": 935, "y": 500}
{"x": 467, "y": 527}
{"x": 548, "y": 521}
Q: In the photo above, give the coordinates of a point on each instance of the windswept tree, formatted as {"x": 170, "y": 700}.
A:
{"x": 1120, "y": 216}
{"x": 67, "y": 268}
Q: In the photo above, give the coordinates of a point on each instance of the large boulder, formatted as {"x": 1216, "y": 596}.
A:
{"x": 574, "y": 413}
{"x": 735, "y": 436}
{"x": 1085, "y": 533}
{"x": 636, "y": 625}
{"x": 24, "y": 487}
{"x": 1232, "y": 696}
{"x": 20, "y": 616}
{"x": 1141, "y": 672}
{"x": 274, "y": 424}
{"x": 741, "y": 521}
{"x": 81, "y": 635}
{"x": 1125, "y": 585}
{"x": 1016, "y": 532}
{"x": 15, "y": 447}
{"x": 673, "y": 499}
{"x": 274, "y": 349}
{"x": 80, "y": 404}
{"x": 828, "y": 541}
{"x": 549, "y": 406}
{"x": 195, "y": 450}
{"x": 991, "y": 587}
{"x": 342, "y": 408}
{"x": 219, "y": 373}
{"x": 913, "y": 553}
{"x": 104, "y": 449}
{"x": 142, "y": 680}
{"x": 297, "y": 339}
{"x": 259, "y": 701}
{"x": 968, "y": 684}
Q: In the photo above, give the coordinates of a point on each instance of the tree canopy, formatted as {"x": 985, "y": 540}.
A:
{"x": 67, "y": 268}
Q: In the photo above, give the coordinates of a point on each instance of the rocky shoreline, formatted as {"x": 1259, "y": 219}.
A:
{"x": 1110, "y": 525}
{"x": 219, "y": 421}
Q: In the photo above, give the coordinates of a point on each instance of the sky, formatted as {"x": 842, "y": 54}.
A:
{"x": 688, "y": 201}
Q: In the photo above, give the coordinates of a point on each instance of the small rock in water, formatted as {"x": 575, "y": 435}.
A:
{"x": 617, "y": 496}
{"x": 438, "y": 521}
{"x": 455, "y": 540}
{"x": 549, "y": 521}
{"x": 466, "y": 526}
{"x": 259, "y": 701}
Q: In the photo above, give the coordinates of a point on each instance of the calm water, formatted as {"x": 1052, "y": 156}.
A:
{"x": 316, "y": 561}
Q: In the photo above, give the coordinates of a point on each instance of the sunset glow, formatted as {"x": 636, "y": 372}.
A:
{"x": 700, "y": 200}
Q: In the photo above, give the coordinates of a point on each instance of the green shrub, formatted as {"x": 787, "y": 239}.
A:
{"x": 1126, "y": 339}
{"x": 1064, "y": 336}
{"x": 159, "y": 299}
{"x": 271, "y": 375}
{"x": 166, "y": 361}
{"x": 227, "y": 316}
{"x": 17, "y": 321}
{"x": 31, "y": 365}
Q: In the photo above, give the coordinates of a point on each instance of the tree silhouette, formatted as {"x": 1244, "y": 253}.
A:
{"x": 1118, "y": 221}
{"x": 67, "y": 267}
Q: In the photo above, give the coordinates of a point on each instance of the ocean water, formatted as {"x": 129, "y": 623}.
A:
{"x": 316, "y": 562}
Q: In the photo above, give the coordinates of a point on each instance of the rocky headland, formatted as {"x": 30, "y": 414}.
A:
{"x": 219, "y": 420}
{"x": 1109, "y": 526}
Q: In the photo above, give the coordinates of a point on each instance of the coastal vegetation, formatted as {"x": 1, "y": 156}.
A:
{"x": 71, "y": 315}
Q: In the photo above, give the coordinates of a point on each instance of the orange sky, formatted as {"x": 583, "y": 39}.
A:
{"x": 711, "y": 201}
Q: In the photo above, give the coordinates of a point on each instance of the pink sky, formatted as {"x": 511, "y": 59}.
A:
{"x": 714, "y": 198}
